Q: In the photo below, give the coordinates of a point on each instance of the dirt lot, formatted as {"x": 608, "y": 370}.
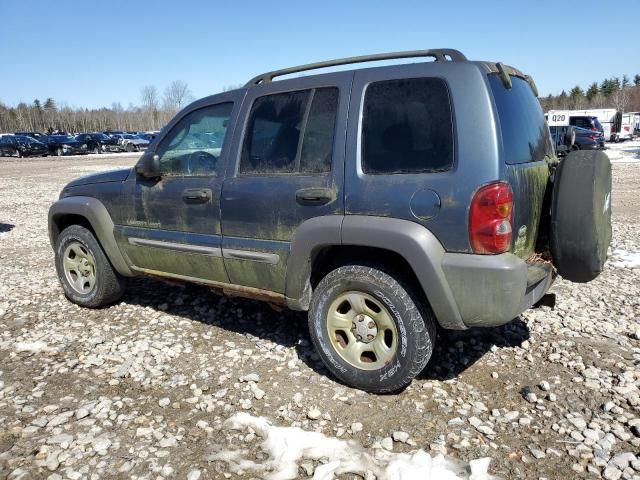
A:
{"x": 142, "y": 389}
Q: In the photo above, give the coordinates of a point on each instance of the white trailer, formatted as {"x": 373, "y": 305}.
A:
{"x": 625, "y": 132}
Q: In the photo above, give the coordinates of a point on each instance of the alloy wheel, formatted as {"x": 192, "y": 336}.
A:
{"x": 362, "y": 331}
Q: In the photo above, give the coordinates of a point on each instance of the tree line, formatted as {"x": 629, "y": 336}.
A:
{"x": 154, "y": 111}
{"x": 623, "y": 94}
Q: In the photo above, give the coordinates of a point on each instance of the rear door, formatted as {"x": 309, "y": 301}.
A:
{"x": 526, "y": 148}
{"x": 288, "y": 168}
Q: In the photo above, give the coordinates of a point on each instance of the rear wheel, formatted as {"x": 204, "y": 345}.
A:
{"x": 87, "y": 277}
{"x": 368, "y": 329}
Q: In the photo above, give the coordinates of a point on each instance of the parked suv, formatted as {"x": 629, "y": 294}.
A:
{"x": 587, "y": 122}
{"x": 384, "y": 201}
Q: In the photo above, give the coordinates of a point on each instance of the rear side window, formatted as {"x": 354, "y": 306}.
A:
{"x": 290, "y": 133}
{"x": 407, "y": 127}
{"x": 525, "y": 135}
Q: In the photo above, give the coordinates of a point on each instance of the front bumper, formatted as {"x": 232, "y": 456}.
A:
{"x": 491, "y": 290}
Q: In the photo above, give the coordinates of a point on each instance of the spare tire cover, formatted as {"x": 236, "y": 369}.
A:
{"x": 581, "y": 215}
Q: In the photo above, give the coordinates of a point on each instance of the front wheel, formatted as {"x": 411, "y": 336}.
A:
{"x": 87, "y": 277}
{"x": 370, "y": 332}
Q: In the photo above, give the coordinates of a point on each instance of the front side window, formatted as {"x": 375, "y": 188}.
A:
{"x": 290, "y": 133}
{"x": 194, "y": 144}
{"x": 407, "y": 127}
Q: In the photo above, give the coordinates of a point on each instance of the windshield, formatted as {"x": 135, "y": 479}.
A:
{"x": 22, "y": 138}
{"x": 525, "y": 136}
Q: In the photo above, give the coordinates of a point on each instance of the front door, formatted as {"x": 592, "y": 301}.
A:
{"x": 172, "y": 227}
{"x": 289, "y": 168}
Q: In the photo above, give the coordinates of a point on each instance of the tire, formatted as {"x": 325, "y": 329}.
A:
{"x": 581, "y": 215}
{"x": 406, "y": 327}
{"x": 107, "y": 286}
{"x": 59, "y": 151}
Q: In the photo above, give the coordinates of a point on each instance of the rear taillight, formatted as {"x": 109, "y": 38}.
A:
{"x": 592, "y": 137}
{"x": 490, "y": 219}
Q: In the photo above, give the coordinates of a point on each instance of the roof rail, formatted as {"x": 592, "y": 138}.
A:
{"x": 440, "y": 55}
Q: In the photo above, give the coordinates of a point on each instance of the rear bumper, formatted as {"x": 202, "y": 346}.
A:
{"x": 491, "y": 290}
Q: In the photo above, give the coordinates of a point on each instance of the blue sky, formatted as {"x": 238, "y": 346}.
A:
{"x": 92, "y": 54}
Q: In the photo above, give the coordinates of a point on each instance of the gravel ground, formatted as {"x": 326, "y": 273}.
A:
{"x": 142, "y": 389}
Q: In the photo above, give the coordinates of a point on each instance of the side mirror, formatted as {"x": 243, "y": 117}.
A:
{"x": 149, "y": 166}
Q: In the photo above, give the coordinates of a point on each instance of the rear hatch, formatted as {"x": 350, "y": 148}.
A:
{"x": 527, "y": 151}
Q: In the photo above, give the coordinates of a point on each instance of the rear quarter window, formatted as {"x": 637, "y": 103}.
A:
{"x": 525, "y": 135}
{"x": 407, "y": 127}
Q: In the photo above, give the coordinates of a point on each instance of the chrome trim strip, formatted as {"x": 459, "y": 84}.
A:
{"x": 271, "y": 258}
{"x": 179, "y": 247}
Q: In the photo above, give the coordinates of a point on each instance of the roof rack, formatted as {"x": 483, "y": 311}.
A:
{"x": 440, "y": 55}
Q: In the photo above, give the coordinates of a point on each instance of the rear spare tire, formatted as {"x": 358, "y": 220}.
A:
{"x": 581, "y": 215}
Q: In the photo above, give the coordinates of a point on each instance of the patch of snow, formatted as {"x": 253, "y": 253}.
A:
{"x": 624, "y": 152}
{"x": 287, "y": 446}
{"x": 622, "y": 259}
{"x": 33, "y": 347}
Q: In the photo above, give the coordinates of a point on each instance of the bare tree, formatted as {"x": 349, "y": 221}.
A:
{"x": 150, "y": 103}
{"x": 177, "y": 95}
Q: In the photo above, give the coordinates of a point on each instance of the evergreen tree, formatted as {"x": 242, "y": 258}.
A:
{"x": 636, "y": 80}
{"x": 592, "y": 91}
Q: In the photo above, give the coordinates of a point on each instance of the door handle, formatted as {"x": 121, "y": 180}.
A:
{"x": 196, "y": 195}
{"x": 315, "y": 196}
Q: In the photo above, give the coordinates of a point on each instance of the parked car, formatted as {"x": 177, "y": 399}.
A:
{"x": 147, "y": 136}
{"x": 113, "y": 132}
{"x": 21, "y": 146}
{"x": 65, "y": 145}
{"x": 586, "y": 122}
{"x": 607, "y": 118}
{"x": 99, "y": 142}
{"x": 131, "y": 143}
{"x": 358, "y": 196}
{"x": 585, "y": 139}
{"x": 35, "y": 135}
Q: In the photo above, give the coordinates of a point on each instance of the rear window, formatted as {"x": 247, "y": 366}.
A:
{"x": 525, "y": 135}
{"x": 407, "y": 127}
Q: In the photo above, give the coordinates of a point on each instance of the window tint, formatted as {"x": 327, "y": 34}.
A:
{"x": 407, "y": 127}
{"x": 195, "y": 143}
{"x": 290, "y": 133}
{"x": 525, "y": 135}
{"x": 317, "y": 145}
